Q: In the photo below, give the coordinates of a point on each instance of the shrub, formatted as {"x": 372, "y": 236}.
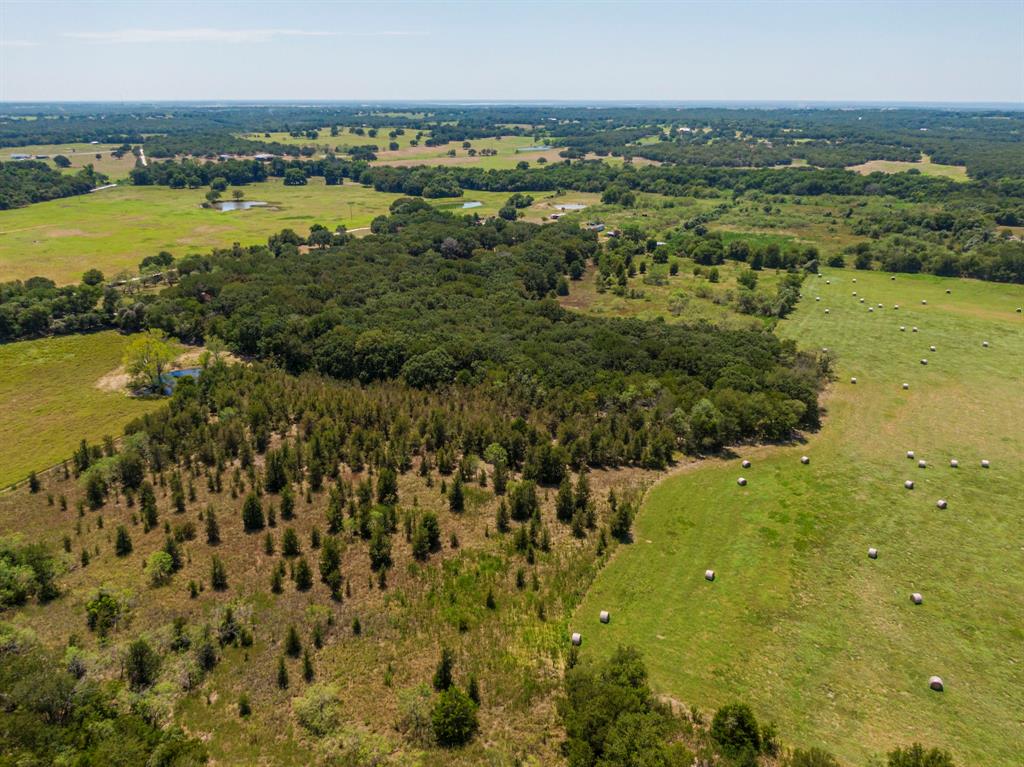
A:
{"x": 454, "y": 718}
{"x": 815, "y": 757}
{"x": 319, "y": 709}
{"x": 735, "y": 729}
{"x": 159, "y": 568}
{"x": 917, "y": 756}
{"x": 415, "y": 720}
{"x": 103, "y": 611}
{"x": 141, "y": 665}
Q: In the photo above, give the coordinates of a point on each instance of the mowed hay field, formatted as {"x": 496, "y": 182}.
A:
{"x": 80, "y": 154}
{"x": 925, "y": 166}
{"x": 51, "y": 400}
{"x": 799, "y": 622}
{"x": 114, "y": 229}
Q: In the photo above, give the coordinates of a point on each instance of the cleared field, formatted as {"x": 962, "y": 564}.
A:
{"x": 80, "y": 154}
{"x": 325, "y": 141}
{"x": 925, "y": 166}
{"x": 508, "y": 148}
{"x": 51, "y": 400}
{"x": 114, "y": 229}
{"x": 799, "y": 621}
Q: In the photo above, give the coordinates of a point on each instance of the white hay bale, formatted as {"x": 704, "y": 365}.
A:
{"x": 605, "y": 616}
{"x": 924, "y": 361}
{"x": 853, "y": 380}
{"x": 914, "y": 328}
{"x": 909, "y": 484}
{"x": 854, "y": 279}
{"x": 709, "y": 575}
{"x": 984, "y": 464}
{"x": 941, "y": 503}
{"x": 746, "y": 464}
{"x": 922, "y": 464}
{"x": 824, "y": 350}
{"x": 895, "y": 306}
{"x": 817, "y": 298}
{"x": 954, "y": 463}
{"x": 985, "y": 344}
{"x": 893, "y": 279}
{"x": 576, "y": 639}
{"x": 880, "y": 306}
{"x": 862, "y": 300}
{"x": 871, "y": 308}
{"x": 923, "y": 302}
{"x": 910, "y": 454}
{"x": 872, "y": 553}
{"x": 916, "y": 598}
{"x": 903, "y": 328}
{"x": 906, "y": 386}
{"x": 742, "y": 481}
{"x": 1020, "y": 309}
{"x": 935, "y": 683}
{"x": 931, "y": 348}
{"x": 855, "y": 292}
{"x": 828, "y": 282}
{"x": 804, "y": 459}
{"x": 948, "y": 291}
{"x": 826, "y": 311}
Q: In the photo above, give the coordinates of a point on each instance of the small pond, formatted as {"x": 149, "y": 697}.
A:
{"x": 535, "y": 148}
{"x": 226, "y": 205}
{"x": 571, "y": 206}
{"x": 471, "y": 204}
{"x": 170, "y": 378}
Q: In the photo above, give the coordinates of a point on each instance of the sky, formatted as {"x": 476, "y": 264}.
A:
{"x": 736, "y": 50}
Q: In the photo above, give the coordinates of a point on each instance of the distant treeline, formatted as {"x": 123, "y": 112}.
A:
{"x": 27, "y": 181}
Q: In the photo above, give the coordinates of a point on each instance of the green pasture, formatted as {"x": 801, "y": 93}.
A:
{"x": 799, "y": 622}
{"x": 52, "y": 401}
{"x": 114, "y": 229}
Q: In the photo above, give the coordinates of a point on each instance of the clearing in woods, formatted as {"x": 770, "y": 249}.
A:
{"x": 52, "y": 399}
{"x": 925, "y": 166}
{"x": 799, "y": 622}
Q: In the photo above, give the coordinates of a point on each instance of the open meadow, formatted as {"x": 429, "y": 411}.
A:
{"x": 799, "y": 622}
{"x": 80, "y": 154}
{"x": 52, "y": 399}
{"x": 114, "y": 229}
{"x": 924, "y": 166}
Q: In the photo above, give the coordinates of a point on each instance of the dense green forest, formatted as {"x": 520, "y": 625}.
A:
{"x": 27, "y": 181}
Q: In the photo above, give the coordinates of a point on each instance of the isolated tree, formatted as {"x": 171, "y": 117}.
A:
{"x": 454, "y": 718}
{"x": 443, "y": 673}
{"x": 292, "y": 643}
{"x": 122, "y": 542}
{"x": 252, "y": 514}
{"x": 212, "y": 528}
{"x": 141, "y": 665}
{"x": 147, "y": 357}
{"x": 61, "y": 161}
{"x": 92, "y": 277}
{"x": 218, "y": 575}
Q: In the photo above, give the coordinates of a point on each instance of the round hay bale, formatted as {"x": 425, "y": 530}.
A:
{"x": 985, "y": 344}
{"x": 1020, "y": 309}
{"x": 871, "y": 308}
{"x": 914, "y": 328}
{"x": 817, "y": 298}
{"x": 605, "y": 616}
{"x": 855, "y": 292}
{"x": 916, "y": 598}
{"x": 576, "y": 639}
{"x": 923, "y": 302}
{"x": 804, "y": 459}
{"x": 924, "y": 361}
{"x": 746, "y": 464}
{"x": 984, "y": 464}
{"x": 909, "y": 484}
{"x": 709, "y": 575}
{"x": 872, "y": 553}
{"x": 948, "y": 291}
{"x": 935, "y": 683}
{"x": 922, "y": 464}
{"x": 855, "y": 279}
{"x": 954, "y": 463}
{"x": 828, "y": 282}
{"x": 826, "y": 311}
{"x": 893, "y": 279}
{"x": 880, "y": 306}
{"x": 903, "y": 328}
{"x": 906, "y": 386}
{"x": 742, "y": 481}
{"x": 853, "y": 380}
{"x": 931, "y": 348}
{"x": 941, "y": 503}
{"x": 824, "y": 350}
{"x": 895, "y": 306}
{"x": 862, "y": 300}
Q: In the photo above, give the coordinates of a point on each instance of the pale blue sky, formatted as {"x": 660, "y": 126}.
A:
{"x": 821, "y": 51}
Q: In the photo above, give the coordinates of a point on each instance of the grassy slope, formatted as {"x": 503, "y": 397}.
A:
{"x": 51, "y": 401}
{"x": 115, "y": 228}
{"x": 799, "y": 621}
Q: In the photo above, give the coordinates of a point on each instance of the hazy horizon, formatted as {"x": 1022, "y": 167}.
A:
{"x": 646, "y": 52}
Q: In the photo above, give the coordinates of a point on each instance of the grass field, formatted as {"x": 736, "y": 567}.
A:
{"x": 114, "y": 229}
{"x": 51, "y": 400}
{"x": 507, "y": 148}
{"x": 925, "y": 166}
{"x": 80, "y": 154}
{"x": 799, "y": 621}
